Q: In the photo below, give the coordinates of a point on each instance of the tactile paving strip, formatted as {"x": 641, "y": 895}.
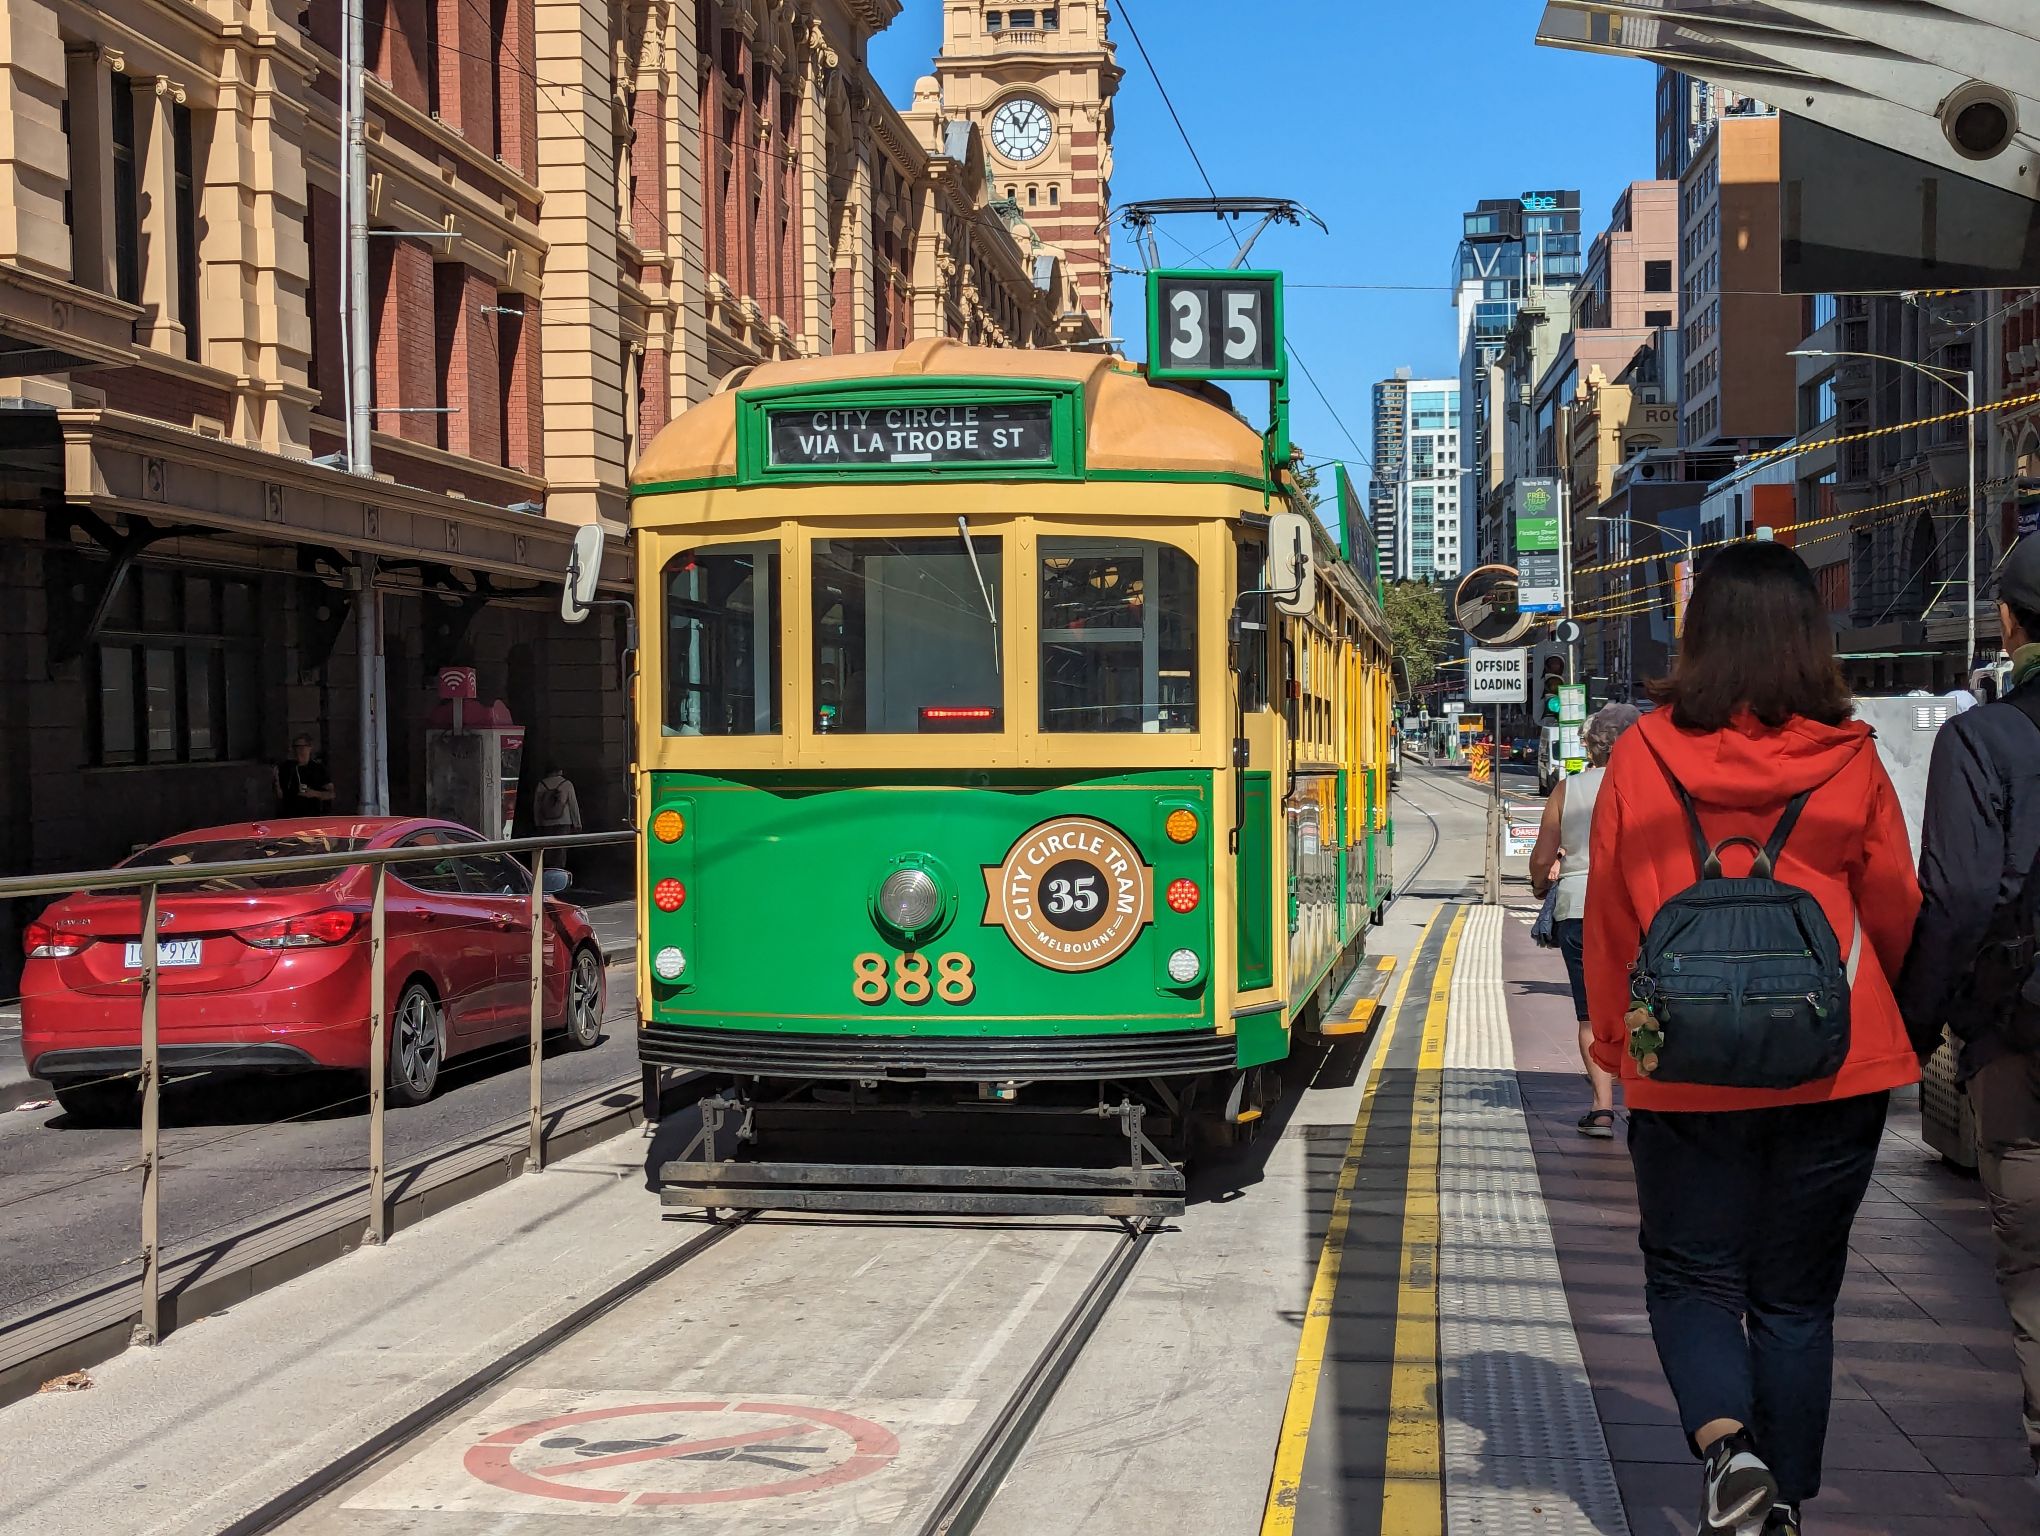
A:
{"x": 1524, "y": 1451}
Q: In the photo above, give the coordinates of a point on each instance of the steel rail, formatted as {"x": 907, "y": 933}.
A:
{"x": 310, "y": 1489}
{"x": 971, "y": 1491}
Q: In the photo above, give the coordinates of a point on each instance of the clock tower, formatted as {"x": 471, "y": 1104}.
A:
{"x": 1038, "y": 80}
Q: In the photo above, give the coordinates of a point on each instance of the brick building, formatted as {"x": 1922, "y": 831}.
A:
{"x": 584, "y": 217}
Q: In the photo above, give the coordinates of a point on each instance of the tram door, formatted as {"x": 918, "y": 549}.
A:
{"x": 1259, "y": 817}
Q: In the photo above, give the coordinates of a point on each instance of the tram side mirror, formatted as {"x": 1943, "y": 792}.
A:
{"x": 584, "y": 570}
{"x": 1292, "y": 576}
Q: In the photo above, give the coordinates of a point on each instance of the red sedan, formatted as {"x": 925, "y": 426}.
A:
{"x": 272, "y": 972}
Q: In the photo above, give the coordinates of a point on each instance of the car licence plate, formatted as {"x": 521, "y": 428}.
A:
{"x": 168, "y": 952}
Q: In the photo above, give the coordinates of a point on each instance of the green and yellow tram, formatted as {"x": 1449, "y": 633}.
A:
{"x": 976, "y": 763}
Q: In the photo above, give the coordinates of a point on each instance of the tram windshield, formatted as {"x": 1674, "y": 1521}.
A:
{"x": 1118, "y": 636}
{"x": 722, "y": 641}
{"x": 906, "y": 639}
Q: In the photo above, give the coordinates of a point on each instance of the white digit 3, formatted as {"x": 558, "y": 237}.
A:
{"x": 1189, "y": 339}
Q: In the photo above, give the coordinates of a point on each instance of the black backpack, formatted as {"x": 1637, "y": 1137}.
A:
{"x": 1740, "y": 983}
{"x": 2006, "y": 984}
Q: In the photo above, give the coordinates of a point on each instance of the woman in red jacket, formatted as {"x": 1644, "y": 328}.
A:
{"x": 1747, "y": 1195}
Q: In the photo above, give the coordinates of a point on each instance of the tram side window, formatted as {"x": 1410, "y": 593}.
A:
{"x": 1252, "y": 655}
{"x": 722, "y": 641}
{"x": 1118, "y": 636}
{"x": 907, "y": 636}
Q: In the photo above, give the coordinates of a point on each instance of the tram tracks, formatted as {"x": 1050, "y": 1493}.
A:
{"x": 301, "y": 1495}
{"x": 976, "y": 1483}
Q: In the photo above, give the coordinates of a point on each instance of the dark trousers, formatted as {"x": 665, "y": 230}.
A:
{"x": 2006, "y": 1097}
{"x": 1746, "y": 1216}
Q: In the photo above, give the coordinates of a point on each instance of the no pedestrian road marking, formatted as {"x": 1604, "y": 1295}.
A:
{"x": 717, "y": 1457}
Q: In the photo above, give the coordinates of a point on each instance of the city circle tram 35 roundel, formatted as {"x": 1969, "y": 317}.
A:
{"x": 1072, "y": 894}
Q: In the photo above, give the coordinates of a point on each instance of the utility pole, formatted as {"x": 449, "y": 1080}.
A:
{"x": 1969, "y": 426}
{"x": 370, "y": 688}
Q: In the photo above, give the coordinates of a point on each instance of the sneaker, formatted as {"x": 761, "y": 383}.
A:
{"x": 1740, "y": 1488}
{"x": 1782, "y": 1521}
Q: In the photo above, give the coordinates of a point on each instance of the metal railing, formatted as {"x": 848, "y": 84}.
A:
{"x": 150, "y": 879}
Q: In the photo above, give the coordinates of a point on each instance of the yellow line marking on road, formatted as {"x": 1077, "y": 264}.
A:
{"x": 1278, "y": 1518}
{"x": 1413, "y": 1489}
{"x": 1387, "y": 963}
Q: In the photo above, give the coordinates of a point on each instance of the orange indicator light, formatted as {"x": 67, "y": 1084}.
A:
{"x": 668, "y": 825}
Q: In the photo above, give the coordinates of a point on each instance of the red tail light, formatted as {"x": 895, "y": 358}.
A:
{"x": 1183, "y": 895}
{"x": 39, "y": 941}
{"x": 333, "y": 926}
{"x": 668, "y": 895}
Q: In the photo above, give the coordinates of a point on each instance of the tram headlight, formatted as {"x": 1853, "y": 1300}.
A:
{"x": 669, "y": 963}
{"x": 909, "y": 899}
{"x": 1184, "y": 966}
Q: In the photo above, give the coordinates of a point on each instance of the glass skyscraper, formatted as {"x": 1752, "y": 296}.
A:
{"x": 1508, "y": 245}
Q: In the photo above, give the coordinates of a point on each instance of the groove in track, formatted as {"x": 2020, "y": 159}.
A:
{"x": 348, "y": 1464}
{"x": 976, "y": 1483}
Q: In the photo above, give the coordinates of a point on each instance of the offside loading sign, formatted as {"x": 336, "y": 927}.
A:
{"x": 1498, "y": 677}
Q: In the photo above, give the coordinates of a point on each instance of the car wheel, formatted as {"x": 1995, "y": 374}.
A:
{"x": 98, "y": 1101}
{"x": 417, "y": 1045}
{"x": 584, "y": 1000}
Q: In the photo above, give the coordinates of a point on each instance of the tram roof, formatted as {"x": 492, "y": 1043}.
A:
{"x": 1130, "y": 422}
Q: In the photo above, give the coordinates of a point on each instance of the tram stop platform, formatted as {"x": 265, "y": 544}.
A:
{"x": 1413, "y": 1306}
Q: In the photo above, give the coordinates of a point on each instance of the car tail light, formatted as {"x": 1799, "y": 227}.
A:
{"x": 669, "y": 895}
{"x": 1183, "y": 895}
{"x": 42, "y": 942}
{"x": 333, "y": 926}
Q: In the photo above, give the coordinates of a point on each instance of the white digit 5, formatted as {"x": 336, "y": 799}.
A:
{"x": 1242, "y": 333}
{"x": 1189, "y": 338}
{"x": 1087, "y": 893}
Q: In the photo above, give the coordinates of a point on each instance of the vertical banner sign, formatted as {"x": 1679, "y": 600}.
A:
{"x": 1541, "y": 584}
{"x": 1682, "y": 594}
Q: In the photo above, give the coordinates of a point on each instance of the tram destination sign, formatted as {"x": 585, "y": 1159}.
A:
{"x": 930, "y": 435}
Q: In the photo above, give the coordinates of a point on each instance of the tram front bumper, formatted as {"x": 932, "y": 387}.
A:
{"x": 865, "y": 1058}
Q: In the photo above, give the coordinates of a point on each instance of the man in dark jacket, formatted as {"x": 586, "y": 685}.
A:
{"x": 1978, "y": 843}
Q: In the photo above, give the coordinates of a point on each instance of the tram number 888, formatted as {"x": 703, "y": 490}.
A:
{"x": 909, "y": 978}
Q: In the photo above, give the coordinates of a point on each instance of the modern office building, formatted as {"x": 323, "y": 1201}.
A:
{"x": 1391, "y": 424}
{"x": 1737, "y": 392}
{"x": 1507, "y": 246}
{"x": 1686, "y": 107}
{"x": 1417, "y": 481}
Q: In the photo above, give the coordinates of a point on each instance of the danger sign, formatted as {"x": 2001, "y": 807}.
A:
{"x": 670, "y": 1455}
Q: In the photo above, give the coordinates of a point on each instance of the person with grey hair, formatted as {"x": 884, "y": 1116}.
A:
{"x": 1561, "y": 856}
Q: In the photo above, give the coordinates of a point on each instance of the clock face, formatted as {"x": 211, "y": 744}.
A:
{"x": 1022, "y": 131}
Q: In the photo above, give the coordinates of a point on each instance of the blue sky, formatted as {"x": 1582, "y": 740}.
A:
{"x": 1387, "y": 120}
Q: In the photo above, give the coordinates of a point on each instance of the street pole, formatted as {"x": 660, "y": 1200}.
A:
{"x": 1492, "y": 882}
{"x": 370, "y": 691}
{"x": 1969, "y": 431}
{"x": 1565, "y": 576}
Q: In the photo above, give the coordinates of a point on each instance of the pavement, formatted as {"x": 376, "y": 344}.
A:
{"x": 1412, "y": 1306}
{"x": 1926, "y": 1433}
